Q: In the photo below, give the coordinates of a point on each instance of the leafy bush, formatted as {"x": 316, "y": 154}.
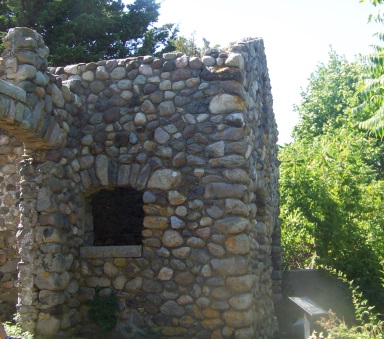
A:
{"x": 331, "y": 184}
{"x": 14, "y": 330}
{"x": 102, "y": 311}
{"x": 370, "y": 323}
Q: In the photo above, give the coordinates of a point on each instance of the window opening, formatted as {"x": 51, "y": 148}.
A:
{"x": 118, "y": 217}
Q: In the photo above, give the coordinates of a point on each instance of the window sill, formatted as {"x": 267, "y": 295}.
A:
{"x": 97, "y": 252}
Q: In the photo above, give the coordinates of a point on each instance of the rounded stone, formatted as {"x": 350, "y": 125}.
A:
{"x": 165, "y": 179}
{"x": 118, "y": 73}
{"x": 140, "y": 119}
{"x": 235, "y": 60}
{"x": 229, "y": 266}
{"x": 241, "y": 302}
{"x": 110, "y": 270}
{"x": 167, "y": 108}
{"x": 177, "y": 223}
{"x": 231, "y": 225}
{"x": 172, "y": 239}
{"x": 184, "y": 278}
{"x": 119, "y": 282}
{"x": 172, "y": 308}
{"x": 238, "y": 319}
{"x": 145, "y": 69}
{"x": 165, "y": 273}
{"x": 134, "y": 285}
{"x": 195, "y": 63}
{"x": 102, "y": 73}
{"x": 182, "y": 252}
{"x": 216, "y": 250}
{"x": 226, "y": 103}
{"x": 47, "y": 325}
{"x": 239, "y": 244}
{"x": 195, "y": 242}
{"x": 124, "y": 84}
{"x": 152, "y": 286}
{"x": 175, "y": 198}
{"x": 88, "y": 76}
{"x": 161, "y": 136}
{"x": 241, "y": 284}
{"x": 182, "y": 61}
{"x": 236, "y": 175}
{"x": 208, "y": 60}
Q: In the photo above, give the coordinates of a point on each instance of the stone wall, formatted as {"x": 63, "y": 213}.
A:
{"x": 11, "y": 150}
{"x": 197, "y": 137}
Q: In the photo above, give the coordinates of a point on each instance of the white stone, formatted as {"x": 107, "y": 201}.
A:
{"x": 140, "y": 119}
{"x": 145, "y": 70}
{"x": 127, "y": 95}
{"x": 71, "y": 69}
{"x": 208, "y": 60}
{"x": 226, "y": 103}
{"x": 88, "y": 76}
{"x": 165, "y": 179}
{"x": 182, "y": 61}
{"x": 235, "y": 60}
{"x": 165, "y": 273}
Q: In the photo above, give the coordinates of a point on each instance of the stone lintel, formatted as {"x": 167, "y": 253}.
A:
{"x": 131, "y": 251}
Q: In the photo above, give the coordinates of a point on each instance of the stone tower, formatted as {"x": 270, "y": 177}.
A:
{"x": 152, "y": 178}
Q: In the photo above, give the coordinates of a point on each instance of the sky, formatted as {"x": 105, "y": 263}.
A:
{"x": 297, "y": 36}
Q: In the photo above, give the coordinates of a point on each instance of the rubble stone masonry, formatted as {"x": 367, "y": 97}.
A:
{"x": 195, "y": 137}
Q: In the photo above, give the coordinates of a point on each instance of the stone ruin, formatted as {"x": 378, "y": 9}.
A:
{"x": 155, "y": 178}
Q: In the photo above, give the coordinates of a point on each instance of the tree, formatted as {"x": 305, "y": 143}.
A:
{"x": 331, "y": 186}
{"x": 90, "y": 30}
{"x": 330, "y": 91}
{"x": 372, "y": 93}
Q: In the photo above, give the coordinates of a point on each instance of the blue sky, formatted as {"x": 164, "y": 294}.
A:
{"x": 297, "y": 36}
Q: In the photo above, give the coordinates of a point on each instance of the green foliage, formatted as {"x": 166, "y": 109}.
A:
{"x": 14, "y": 330}
{"x": 90, "y": 30}
{"x": 331, "y": 185}
{"x": 188, "y": 46}
{"x": 330, "y": 92}
{"x": 370, "y": 324}
{"x": 338, "y": 329}
{"x": 372, "y": 93}
{"x": 102, "y": 311}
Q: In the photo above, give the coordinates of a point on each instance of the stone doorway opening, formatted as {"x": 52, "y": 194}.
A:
{"x": 118, "y": 217}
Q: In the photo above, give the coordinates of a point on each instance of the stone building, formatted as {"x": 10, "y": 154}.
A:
{"x": 153, "y": 178}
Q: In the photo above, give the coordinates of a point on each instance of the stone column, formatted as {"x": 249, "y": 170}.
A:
{"x": 28, "y": 295}
{"x": 10, "y": 152}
